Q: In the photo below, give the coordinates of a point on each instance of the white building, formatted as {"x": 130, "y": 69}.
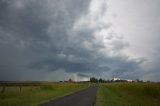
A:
{"x": 123, "y": 80}
{"x": 116, "y": 79}
{"x": 129, "y": 80}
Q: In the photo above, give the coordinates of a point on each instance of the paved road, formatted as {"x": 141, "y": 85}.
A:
{"x": 84, "y": 97}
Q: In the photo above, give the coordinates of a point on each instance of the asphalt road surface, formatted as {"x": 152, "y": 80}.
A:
{"x": 84, "y": 97}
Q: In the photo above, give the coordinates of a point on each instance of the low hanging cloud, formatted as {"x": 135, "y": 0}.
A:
{"x": 72, "y": 35}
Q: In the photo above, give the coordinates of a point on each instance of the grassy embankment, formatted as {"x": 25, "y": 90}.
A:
{"x": 128, "y": 94}
{"x": 33, "y": 94}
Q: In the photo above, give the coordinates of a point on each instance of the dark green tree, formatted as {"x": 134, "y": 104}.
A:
{"x": 93, "y": 79}
{"x": 101, "y": 80}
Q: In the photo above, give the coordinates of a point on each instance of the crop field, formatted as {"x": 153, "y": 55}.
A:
{"x": 128, "y": 94}
{"x": 31, "y": 94}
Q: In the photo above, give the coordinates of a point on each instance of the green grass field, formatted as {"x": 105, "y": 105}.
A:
{"x": 31, "y": 94}
{"x": 109, "y": 94}
{"x": 128, "y": 94}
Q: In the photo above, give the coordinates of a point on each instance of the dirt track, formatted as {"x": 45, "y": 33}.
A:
{"x": 84, "y": 97}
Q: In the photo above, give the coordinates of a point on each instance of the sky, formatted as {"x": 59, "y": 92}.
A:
{"x": 53, "y": 40}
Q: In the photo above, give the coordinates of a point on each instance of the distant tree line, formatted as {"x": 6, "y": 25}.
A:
{"x": 100, "y": 80}
{"x": 95, "y": 80}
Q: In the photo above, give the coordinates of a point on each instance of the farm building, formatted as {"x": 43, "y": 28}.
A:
{"x": 116, "y": 79}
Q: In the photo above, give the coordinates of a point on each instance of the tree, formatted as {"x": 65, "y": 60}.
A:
{"x": 93, "y": 79}
{"x": 100, "y": 80}
{"x": 70, "y": 80}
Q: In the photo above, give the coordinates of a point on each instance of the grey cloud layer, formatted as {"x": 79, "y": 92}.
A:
{"x": 49, "y": 35}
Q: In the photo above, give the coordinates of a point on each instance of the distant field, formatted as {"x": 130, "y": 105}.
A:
{"x": 128, "y": 94}
{"x": 25, "y": 94}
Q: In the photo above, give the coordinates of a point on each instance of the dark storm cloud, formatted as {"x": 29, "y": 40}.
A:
{"x": 40, "y": 35}
{"x": 83, "y": 75}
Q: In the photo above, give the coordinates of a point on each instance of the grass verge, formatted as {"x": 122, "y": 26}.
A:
{"x": 128, "y": 94}
{"x": 34, "y": 95}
